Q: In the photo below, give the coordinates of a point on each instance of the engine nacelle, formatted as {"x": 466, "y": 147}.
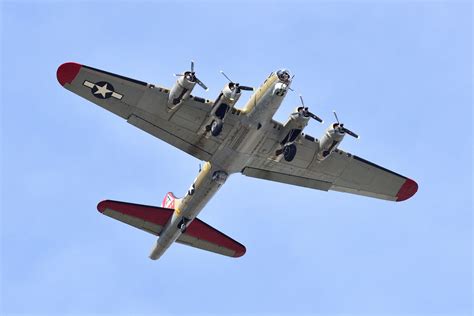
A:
{"x": 329, "y": 141}
{"x": 298, "y": 119}
{"x": 230, "y": 96}
{"x": 181, "y": 90}
{"x": 294, "y": 125}
{"x": 226, "y": 100}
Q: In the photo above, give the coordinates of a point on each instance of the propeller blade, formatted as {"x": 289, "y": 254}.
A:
{"x": 301, "y": 98}
{"x": 342, "y": 128}
{"x": 235, "y": 87}
{"x": 308, "y": 113}
{"x": 246, "y": 88}
{"x": 225, "y": 76}
{"x": 337, "y": 119}
{"x": 314, "y": 116}
{"x": 350, "y": 132}
{"x": 199, "y": 82}
{"x": 190, "y": 75}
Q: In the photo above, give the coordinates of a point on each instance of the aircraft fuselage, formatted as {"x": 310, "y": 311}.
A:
{"x": 231, "y": 157}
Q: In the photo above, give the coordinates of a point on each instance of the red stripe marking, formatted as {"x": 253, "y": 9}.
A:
{"x": 201, "y": 230}
{"x": 160, "y": 216}
{"x": 156, "y": 215}
{"x": 67, "y": 72}
{"x": 407, "y": 190}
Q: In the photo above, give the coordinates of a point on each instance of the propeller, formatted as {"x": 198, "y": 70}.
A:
{"x": 191, "y": 76}
{"x": 307, "y": 113}
{"x": 235, "y": 87}
{"x": 341, "y": 127}
{"x": 290, "y": 87}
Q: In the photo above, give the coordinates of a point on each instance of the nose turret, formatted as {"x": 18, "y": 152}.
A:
{"x": 284, "y": 75}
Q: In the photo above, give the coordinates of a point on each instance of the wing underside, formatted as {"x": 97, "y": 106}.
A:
{"x": 340, "y": 171}
{"x": 144, "y": 105}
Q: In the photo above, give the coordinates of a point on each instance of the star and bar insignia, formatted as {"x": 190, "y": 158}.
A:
{"x": 102, "y": 90}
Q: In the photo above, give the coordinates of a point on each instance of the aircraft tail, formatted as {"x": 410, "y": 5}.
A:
{"x": 153, "y": 219}
{"x": 169, "y": 201}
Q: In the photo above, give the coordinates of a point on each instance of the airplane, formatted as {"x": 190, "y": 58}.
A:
{"x": 230, "y": 140}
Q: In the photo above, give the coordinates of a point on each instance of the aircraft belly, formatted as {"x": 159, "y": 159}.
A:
{"x": 245, "y": 138}
{"x": 241, "y": 141}
{"x": 206, "y": 184}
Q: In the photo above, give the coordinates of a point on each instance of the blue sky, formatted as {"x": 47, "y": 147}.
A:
{"x": 399, "y": 73}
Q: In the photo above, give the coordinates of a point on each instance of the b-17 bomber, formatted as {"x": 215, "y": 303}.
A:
{"x": 229, "y": 140}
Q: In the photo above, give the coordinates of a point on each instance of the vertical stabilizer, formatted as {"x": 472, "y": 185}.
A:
{"x": 169, "y": 201}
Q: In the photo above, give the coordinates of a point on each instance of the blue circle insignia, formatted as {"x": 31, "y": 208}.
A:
{"x": 102, "y": 90}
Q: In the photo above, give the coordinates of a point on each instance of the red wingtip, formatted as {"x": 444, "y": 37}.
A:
{"x": 407, "y": 190}
{"x": 240, "y": 252}
{"x": 67, "y": 72}
{"x": 102, "y": 206}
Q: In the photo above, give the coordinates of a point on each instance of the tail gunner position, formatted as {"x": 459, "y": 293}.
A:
{"x": 230, "y": 140}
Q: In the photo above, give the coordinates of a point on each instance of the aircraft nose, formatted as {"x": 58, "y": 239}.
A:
{"x": 284, "y": 75}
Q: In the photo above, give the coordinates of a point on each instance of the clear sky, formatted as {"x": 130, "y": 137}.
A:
{"x": 399, "y": 73}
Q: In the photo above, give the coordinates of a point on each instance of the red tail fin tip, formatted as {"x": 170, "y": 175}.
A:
{"x": 168, "y": 201}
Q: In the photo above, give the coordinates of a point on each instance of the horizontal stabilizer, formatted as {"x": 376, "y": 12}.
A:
{"x": 153, "y": 219}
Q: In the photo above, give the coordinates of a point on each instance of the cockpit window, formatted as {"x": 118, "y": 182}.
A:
{"x": 283, "y": 75}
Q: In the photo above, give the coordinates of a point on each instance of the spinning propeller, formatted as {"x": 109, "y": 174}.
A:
{"x": 235, "y": 87}
{"x": 191, "y": 76}
{"x": 307, "y": 113}
{"x": 340, "y": 127}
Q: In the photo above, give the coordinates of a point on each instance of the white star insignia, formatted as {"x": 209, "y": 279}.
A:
{"x": 102, "y": 90}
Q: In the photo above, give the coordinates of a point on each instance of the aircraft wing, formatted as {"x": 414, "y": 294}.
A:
{"x": 153, "y": 219}
{"x": 340, "y": 171}
{"x": 143, "y": 105}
